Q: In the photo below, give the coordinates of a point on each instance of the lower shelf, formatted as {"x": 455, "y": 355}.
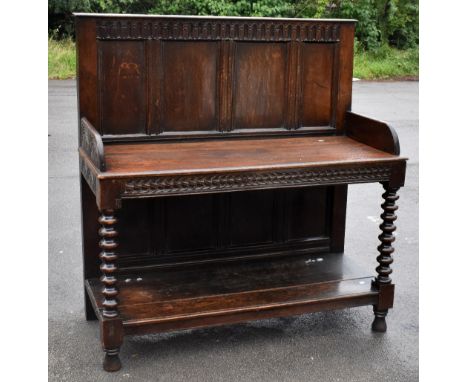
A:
{"x": 171, "y": 299}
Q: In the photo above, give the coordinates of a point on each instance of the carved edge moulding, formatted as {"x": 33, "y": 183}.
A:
{"x": 159, "y": 186}
{"x": 163, "y": 185}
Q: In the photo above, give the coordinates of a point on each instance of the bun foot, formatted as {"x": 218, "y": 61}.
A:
{"x": 379, "y": 325}
{"x": 111, "y": 361}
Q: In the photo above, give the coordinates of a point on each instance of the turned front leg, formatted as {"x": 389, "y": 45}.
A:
{"x": 383, "y": 282}
{"x": 111, "y": 324}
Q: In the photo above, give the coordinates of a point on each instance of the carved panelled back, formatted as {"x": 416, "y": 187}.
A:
{"x": 163, "y": 77}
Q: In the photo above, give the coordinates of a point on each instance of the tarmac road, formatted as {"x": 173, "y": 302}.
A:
{"x": 329, "y": 346}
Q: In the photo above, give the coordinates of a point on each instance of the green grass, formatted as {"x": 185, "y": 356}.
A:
{"x": 62, "y": 59}
{"x": 386, "y": 63}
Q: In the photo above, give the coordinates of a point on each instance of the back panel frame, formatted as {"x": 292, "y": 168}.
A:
{"x": 296, "y": 73}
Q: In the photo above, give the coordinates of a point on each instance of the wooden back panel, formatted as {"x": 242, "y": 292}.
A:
{"x": 238, "y": 225}
{"x": 172, "y": 77}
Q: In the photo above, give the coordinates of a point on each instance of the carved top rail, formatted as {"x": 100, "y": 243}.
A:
{"x": 243, "y": 30}
{"x": 140, "y": 27}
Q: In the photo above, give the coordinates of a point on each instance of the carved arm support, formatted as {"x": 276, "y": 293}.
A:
{"x": 372, "y": 133}
{"x": 91, "y": 144}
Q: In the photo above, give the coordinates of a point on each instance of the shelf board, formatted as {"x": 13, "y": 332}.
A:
{"x": 198, "y": 296}
{"x": 145, "y": 159}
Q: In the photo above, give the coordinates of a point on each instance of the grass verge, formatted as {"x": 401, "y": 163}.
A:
{"x": 62, "y": 59}
{"x": 385, "y": 63}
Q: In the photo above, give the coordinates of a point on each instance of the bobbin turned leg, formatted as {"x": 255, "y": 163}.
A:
{"x": 111, "y": 324}
{"x": 383, "y": 282}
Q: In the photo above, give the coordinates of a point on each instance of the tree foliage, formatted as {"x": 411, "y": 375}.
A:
{"x": 380, "y": 22}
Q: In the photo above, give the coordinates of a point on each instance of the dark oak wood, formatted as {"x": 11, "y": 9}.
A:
{"x": 91, "y": 145}
{"x": 108, "y": 256}
{"x": 175, "y": 299}
{"x": 89, "y": 223}
{"x": 371, "y": 132}
{"x": 111, "y": 323}
{"x": 254, "y": 154}
{"x": 383, "y": 281}
{"x": 225, "y": 146}
{"x": 86, "y": 70}
{"x": 159, "y": 77}
{"x": 150, "y": 169}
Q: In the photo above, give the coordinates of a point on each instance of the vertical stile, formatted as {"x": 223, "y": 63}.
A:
{"x": 299, "y": 87}
{"x": 223, "y": 84}
{"x": 154, "y": 63}
{"x": 100, "y": 126}
{"x": 149, "y": 83}
{"x": 291, "y": 118}
{"x": 335, "y": 84}
{"x": 229, "y": 100}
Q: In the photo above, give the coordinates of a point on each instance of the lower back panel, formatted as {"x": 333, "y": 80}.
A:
{"x": 223, "y": 226}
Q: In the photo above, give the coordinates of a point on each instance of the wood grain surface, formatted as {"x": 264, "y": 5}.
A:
{"x": 255, "y": 154}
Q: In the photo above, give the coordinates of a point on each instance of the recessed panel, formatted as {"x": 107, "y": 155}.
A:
{"x": 189, "y": 86}
{"x": 252, "y": 217}
{"x": 123, "y": 92}
{"x": 189, "y": 223}
{"x": 306, "y": 212}
{"x": 317, "y": 80}
{"x": 135, "y": 225}
{"x": 260, "y": 93}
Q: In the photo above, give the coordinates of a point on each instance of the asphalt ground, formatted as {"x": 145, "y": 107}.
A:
{"x": 328, "y": 346}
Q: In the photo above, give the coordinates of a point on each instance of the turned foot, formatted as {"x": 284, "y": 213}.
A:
{"x": 112, "y": 361}
{"x": 380, "y": 325}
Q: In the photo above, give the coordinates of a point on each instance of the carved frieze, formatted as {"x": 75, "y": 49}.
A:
{"x": 165, "y": 185}
{"x": 243, "y": 30}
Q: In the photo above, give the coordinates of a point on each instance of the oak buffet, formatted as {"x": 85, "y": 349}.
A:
{"x": 215, "y": 155}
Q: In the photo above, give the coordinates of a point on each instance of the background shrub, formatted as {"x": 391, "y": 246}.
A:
{"x": 380, "y": 22}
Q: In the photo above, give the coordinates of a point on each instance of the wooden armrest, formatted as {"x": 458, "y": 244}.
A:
{"x": 372, "y": 132}
{"x": 91, "y": 144}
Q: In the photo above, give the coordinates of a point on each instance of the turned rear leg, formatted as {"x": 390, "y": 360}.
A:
{"x": 111, "y": 324}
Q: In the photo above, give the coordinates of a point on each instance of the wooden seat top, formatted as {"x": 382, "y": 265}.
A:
{"x": 183, "y": 106}
{"x": 238, "y": 155}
